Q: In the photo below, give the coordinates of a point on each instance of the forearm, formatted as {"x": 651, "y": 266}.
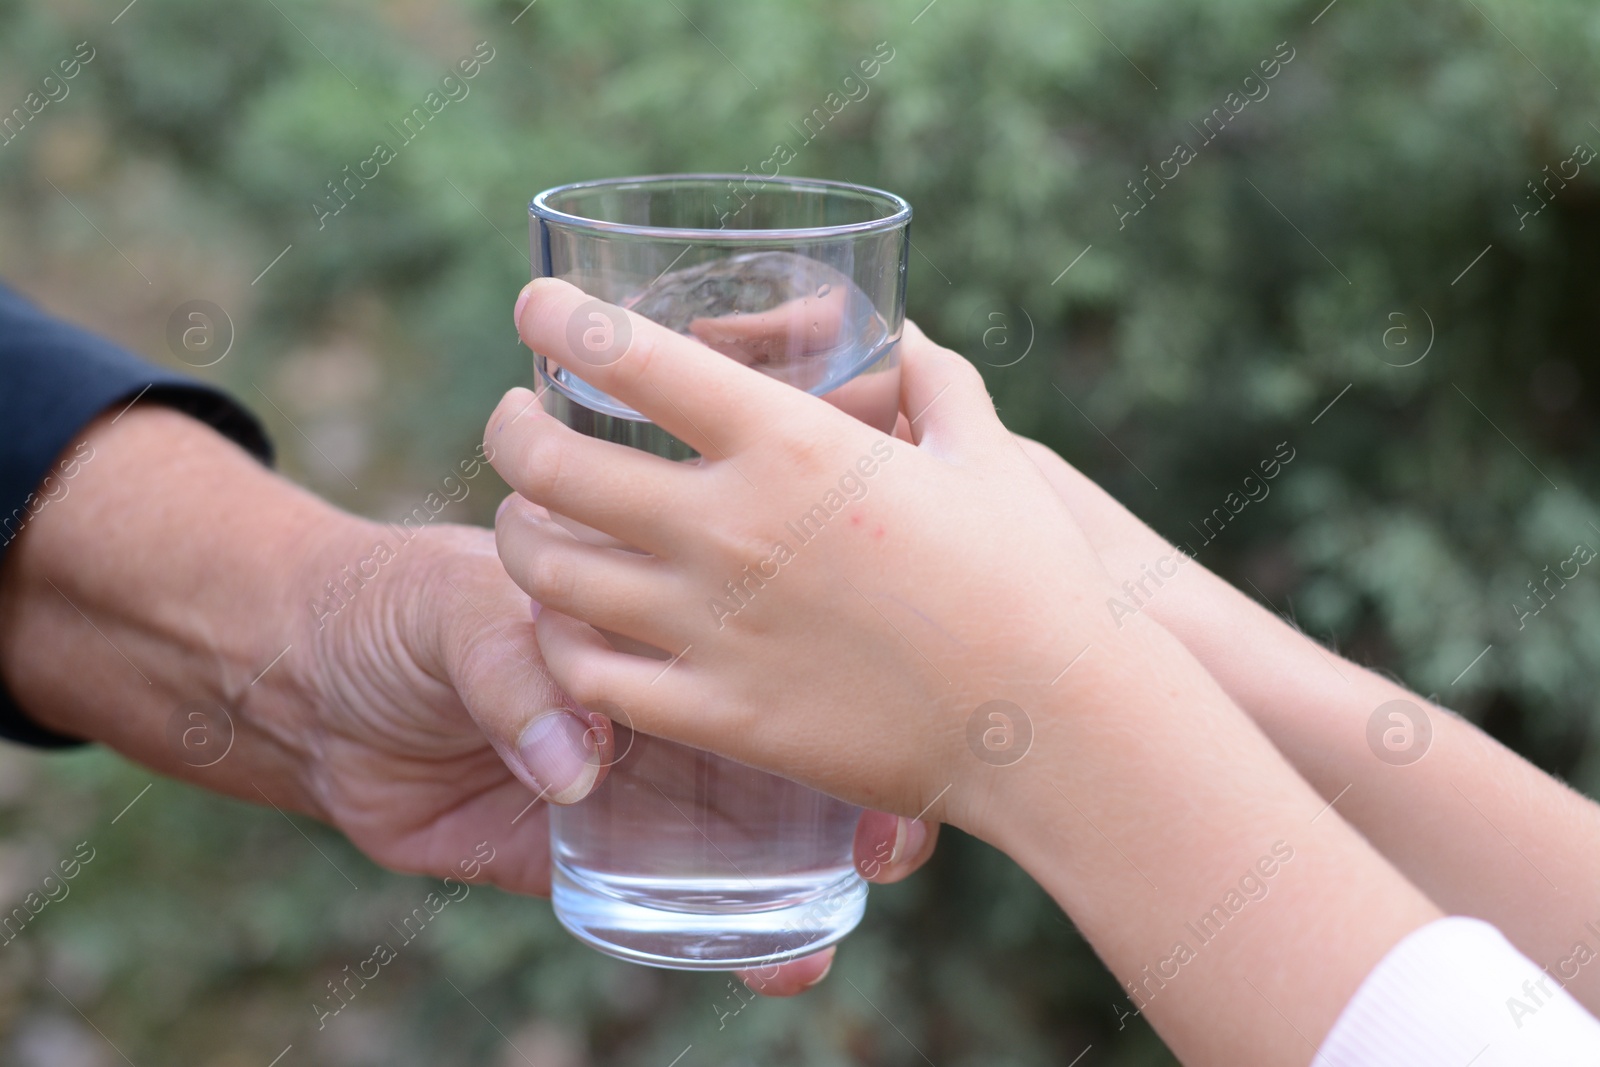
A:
{"x": 1476, "y": 827}
{"x": 1239, "y": 915}
{"x": 159, "y": 580}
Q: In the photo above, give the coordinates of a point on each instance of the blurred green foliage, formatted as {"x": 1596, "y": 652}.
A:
{"x": 1308, "y": 255}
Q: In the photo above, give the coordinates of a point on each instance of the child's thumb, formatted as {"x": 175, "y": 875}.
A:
{"x": 943, "y": 397}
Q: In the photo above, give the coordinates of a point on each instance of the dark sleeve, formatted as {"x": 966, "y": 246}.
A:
{"x": 54, "y": 380}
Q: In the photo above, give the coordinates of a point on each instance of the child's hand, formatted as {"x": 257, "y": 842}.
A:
{"x": 887, "y": 595}
{"x": 834, "y": 604}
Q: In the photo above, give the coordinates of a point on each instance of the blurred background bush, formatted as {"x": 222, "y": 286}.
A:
{"x": 1365, "y": 235}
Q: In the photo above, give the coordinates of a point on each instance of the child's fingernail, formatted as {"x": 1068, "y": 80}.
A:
{"x": 522, "y": 302}
{"x": 501, "y": 510}
{"x": 822, "y": 974}
{"x": 876, "y": 835}
{"x": 900, "y": 834}
{"x": 909, "y": 837}
{"x": 559, "y": 753}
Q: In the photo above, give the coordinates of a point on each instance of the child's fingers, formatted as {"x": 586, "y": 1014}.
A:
{"x": 945, "y": 401}
{"x": 872, "y": 397}
{"x": 890, "y": 847}
{"x": 699, "y": 396}
{"x": 788, "y": 979}
{"x": 782, "y": 340}
{"x": 615, "y": 489}
{"x": 793, "y": 329}
{"x": 638, "y": 690}
{"x": 611, "y": 588}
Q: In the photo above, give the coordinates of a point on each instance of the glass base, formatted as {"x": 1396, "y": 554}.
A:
{"x": 612, "y": 920}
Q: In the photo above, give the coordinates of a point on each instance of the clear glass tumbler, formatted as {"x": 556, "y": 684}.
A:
{"x": 681, "y": 858}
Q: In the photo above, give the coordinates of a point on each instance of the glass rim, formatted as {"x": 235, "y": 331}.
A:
{"x": 541, "y": 209}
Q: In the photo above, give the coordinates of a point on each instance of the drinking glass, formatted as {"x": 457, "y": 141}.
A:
{"x": 681, "y": 858}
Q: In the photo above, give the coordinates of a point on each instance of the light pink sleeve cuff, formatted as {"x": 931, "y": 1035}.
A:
{"x": 1455, "y": 993}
